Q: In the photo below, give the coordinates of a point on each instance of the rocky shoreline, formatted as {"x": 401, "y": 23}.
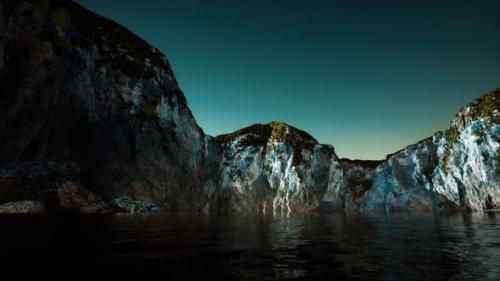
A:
{"x": 38, "y": 187}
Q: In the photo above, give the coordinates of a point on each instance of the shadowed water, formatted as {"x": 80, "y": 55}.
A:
{"x": 251, "y": 247}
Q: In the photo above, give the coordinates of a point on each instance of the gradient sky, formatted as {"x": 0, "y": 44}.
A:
{"x": 368, "y": 77}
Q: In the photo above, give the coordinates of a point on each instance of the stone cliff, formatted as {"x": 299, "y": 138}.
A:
{"x": 78, "y": 88}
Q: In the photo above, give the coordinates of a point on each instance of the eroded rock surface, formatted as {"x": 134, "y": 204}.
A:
{"x": 276, "y": 167}
{"x": 76, "y": 86}
{"x": 132, "y": 205}
{"x": 74, "y": 198}
{"x": 55, "y": 184}
{"x": 457, "y": 168}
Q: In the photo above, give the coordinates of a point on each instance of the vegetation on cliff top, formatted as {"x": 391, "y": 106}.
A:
{"x": 119, "y": 47}
{"x": 487, "y": 105}
{"x": 269, "y": 135}
{"x": 483, "y": 106}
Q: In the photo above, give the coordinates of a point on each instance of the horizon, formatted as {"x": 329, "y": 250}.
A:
{"x": 369, "y": 84}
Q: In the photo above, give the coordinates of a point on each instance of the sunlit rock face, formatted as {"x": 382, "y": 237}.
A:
{"x": 278, "y": 167}
{"x": 76, "y": 86}
{"x": 469, "y": 156}
{"x": 404, "y": 180}
{"x": 457, "y": 168}
{"x": 271, "y": 167}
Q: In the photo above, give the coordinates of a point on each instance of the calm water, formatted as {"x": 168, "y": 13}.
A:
{"x": 246, "y": 247}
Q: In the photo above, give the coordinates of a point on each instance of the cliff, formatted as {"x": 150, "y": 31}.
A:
{"x": 76, "y": 86}
{"x": 78, "y": 90}
{"x": 455, "y": 168}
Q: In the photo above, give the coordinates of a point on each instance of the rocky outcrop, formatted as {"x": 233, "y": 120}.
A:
{"x": 74, "y": 198}
{"x": 55, "y": 185}
{"x": 271, "y": 166}
{"x": 404, "y": 180}
{"x": 457, "y": 168}
{"x": 469, "y": 155}
{"x": 34, "y": 180}
{"x": 22, "y": 207}
{"x": 277, "y": 167}
{"x": 357, "y": 177}
{"x": 128, "y": 204}
{"x": 76, "y": 86}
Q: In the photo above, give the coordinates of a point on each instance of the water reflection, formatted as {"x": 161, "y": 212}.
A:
{"x": 270, "y": 247}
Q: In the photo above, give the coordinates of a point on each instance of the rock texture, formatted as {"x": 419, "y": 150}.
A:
{"x": 455, "y": 168}
{"x": 22, "y": 207}
{"x": 277, "y": 167}
{"x": 78, "y": 88}
{"x": 74, "y": 198}
{"x": 269, "y": 167}
{"x": 55, "y": 185}
{"x": 130, "y": 205}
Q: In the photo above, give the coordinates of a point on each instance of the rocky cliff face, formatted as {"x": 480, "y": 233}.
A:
{"x": 77, "y": 87}
{"x": 278, "y": 167}
{"x": 271, "y": 167}
{"x": 457, "y": 168}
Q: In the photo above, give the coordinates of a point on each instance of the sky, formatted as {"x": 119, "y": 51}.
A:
{"x": 368, "y": 77}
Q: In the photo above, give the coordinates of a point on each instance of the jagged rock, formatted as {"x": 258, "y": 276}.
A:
{"x": 270, "y": 167}
{"x": 77, "y": 86}
{"x": 404, "y": 180}
{"x": 74, "y": 198}
{"x": 56, "y": 184}
{"x": 469, "y": 155}
{"x": 458, "y": 168}
{"x": 349, "y": 191}
{"x": 278, "y": 167}
{"x": 22, "y": 207}
{"x": 131, "y": 205}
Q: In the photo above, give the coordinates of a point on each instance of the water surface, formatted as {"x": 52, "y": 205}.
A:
{"x": 252, "y": 247}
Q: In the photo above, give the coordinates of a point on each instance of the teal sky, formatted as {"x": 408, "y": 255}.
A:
{"x": 368, "y": 77}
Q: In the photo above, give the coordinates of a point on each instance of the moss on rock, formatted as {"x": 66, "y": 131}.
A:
{"x": 487, "y": 105}
{"x": 269, "y": 135}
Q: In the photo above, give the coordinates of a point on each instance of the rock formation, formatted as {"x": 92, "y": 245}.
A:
{"x": 76, "y": 86}
{"x": 52, "y": 186}
{"x": 455, "y": 168}
{"x": 93, "y": 120}
{"x": 22, "y": 207}
{"x": 270, "y": 166}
